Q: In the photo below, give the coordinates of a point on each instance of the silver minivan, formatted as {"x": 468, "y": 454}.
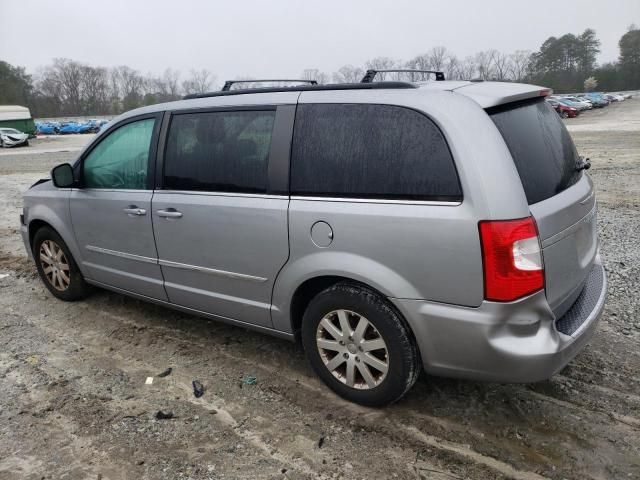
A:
{"x": 388, "y": 226}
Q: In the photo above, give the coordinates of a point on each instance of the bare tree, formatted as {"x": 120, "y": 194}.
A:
{"x": 437, "y": 58}
{"x": 166, "y": 87}
{"x": 452, "y": 67}
{"x": 383, "y": 63}
{"x": 171, "y": 79}
{"x": 484, "y": 65}
{"x": 466, "y": 69}
{"x": 520, "y": 64}
{"x": 95, "y": 90}
{"x": 314, "y": 74}
{"x": 500, "y": 65}
{"x": 199, "y": 82}
{"x": 131, "y": 86}
{"x": 348, "y": 74}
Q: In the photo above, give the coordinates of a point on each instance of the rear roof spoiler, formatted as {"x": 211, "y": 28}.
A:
{"x": 492, "y": 94}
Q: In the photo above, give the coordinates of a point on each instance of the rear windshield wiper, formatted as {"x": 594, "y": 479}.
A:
{"x": 583, "y": 164}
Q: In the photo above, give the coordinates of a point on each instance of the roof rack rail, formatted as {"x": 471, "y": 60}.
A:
{"x": 371, "y": 74}
{"x": 229, "y": 83}
{"x": 303, "y": 88}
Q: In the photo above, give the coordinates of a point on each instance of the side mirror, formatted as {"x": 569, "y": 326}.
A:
{"x": 62, "y": 176}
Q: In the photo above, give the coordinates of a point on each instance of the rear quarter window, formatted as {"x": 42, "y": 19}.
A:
{"x": 370, "y": 151}
{"x": 541, "y": 147}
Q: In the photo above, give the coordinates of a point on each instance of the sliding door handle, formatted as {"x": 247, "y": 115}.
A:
{"x": 134, "y": 211}
{"x": 169, "y": 213}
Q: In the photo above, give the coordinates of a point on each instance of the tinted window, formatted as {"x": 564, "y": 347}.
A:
{"x": 219, "y": 151}
{"x": 370, "y": 151}
{"x": 121, "y": 159}
{"x": 541, "y": 147}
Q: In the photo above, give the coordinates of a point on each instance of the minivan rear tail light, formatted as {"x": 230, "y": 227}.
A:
{"x": 511, "y": 259}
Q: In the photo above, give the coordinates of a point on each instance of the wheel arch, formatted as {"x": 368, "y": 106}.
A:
{"x": 308, "y": 289}
{"x": 50, "y": 220}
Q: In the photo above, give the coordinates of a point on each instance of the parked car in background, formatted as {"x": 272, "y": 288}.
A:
{"x": 10, "y": 137}
{"x": 570, "y": 103}
{"x": 597, "y": 100}
{"x": 613, "y": 98}
{"x": 47, "y": 128}
{"x": 584, "y": 104}
{"x": 70, "y": 127}
{"x": 563, "y": 110}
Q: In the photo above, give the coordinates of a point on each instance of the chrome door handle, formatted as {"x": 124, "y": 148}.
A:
{"x": 169, "y": 213}
{"x": 132, "y": 211}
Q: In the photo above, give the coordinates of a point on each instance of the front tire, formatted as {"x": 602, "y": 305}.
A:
{"x": 359, "y": 346}
{"x": 56, "y": 267}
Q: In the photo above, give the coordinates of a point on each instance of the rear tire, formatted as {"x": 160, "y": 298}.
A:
{"x": 56, "y": 267}
{"x": 376, "y": 362}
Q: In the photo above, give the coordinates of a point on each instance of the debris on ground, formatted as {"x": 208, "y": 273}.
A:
{"x": 250, "y": 380}
{"x": 160, "y": 415}
{"x": 166, "y": 373}
{"x": 198, "y": 388}
{"x": 148, "y": 381}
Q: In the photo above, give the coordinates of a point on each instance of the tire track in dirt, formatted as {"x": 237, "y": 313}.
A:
{"x": 167, "y": 333}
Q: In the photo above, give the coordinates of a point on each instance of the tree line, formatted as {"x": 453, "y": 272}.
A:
{"x": 566, "y": 64}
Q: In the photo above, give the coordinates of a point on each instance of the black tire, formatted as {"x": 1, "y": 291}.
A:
{"x": 77, "y": 288}
{"x": 401, "y": 354}
{"x": 565, "y": 115}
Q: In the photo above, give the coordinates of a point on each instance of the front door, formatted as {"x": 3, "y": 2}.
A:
{"x": 111, "y": 212}
{"x": 221, "y": 231}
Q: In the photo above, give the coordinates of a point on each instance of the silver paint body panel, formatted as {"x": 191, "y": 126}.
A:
{"x": 241, "y": 258}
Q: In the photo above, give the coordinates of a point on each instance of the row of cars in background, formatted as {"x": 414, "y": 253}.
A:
{"x": 72, "y": 127}
{"x": 12, "y": 137}
{"x": 569, "y": 106}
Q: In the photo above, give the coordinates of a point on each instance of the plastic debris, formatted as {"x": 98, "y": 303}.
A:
{"x": 321, "y": 442}
{"x": 250, "y": 380}
{"x": 166, "y": 373}
{"x": 160, "y": 415}
{"x": 148, "y": 381}
{"x": 198, "y": 388}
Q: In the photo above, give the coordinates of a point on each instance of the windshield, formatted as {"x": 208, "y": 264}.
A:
{"x": 9, "y": 130}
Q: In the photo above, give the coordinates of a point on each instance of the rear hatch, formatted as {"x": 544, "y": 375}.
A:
{"x": 560, "y": 196}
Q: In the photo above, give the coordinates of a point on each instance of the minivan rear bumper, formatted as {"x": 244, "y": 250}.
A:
{"x": 505, "y": 342}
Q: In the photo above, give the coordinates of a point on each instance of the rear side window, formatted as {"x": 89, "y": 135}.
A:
{"x": 370, "y": 151}
{"x": 541, "y": 147}
{"x": 219, "y": 151}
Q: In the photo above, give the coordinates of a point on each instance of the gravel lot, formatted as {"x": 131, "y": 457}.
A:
{"x": 74, "y": 403}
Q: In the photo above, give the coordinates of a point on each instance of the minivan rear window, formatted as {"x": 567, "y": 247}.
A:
{"x": 541, "y": 147}
{"x": 370, "y": 151}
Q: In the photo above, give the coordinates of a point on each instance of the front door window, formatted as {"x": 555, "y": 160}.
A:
{"x": 120, "y": 161}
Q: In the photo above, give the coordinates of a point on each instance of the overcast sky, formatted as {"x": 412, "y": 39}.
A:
{"x": 280, "y": 38}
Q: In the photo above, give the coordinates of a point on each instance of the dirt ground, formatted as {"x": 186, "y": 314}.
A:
{"x": 74, "y": 403}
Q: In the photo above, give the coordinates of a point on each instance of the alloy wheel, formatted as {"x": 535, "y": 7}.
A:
{"x": 352, "y": 349}
{"x": 55, "y": 265}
